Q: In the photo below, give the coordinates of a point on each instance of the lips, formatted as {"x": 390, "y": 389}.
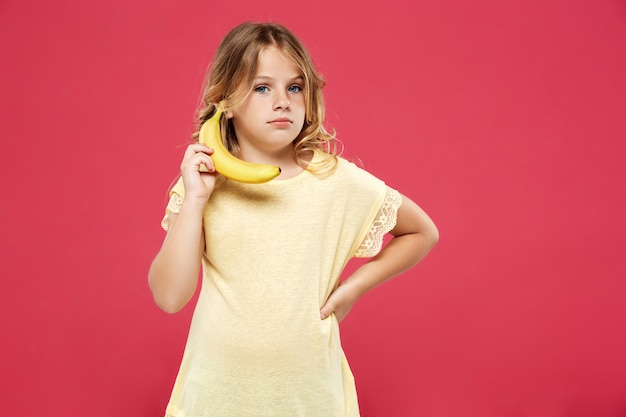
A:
{"x": 281, "y": 120}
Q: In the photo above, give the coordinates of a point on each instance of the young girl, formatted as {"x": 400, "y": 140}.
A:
{"x": 264, "y": 339}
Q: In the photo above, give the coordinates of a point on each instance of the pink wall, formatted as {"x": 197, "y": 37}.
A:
{"x": 505, "y": 120}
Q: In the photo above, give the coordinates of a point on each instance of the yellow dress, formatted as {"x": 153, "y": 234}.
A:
{"x": 274, "y": 252}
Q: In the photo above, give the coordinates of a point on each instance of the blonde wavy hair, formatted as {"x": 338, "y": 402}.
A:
{"x": 230, "y": 81}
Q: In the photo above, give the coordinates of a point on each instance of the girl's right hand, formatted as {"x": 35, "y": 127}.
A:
{"x": 198, "y": 184}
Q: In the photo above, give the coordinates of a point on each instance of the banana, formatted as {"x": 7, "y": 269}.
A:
{"x": 226, "y": 163}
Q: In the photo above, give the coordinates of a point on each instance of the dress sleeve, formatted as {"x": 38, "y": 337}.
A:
{"x": 384, "y": 222}
{"x": 177, "y": 193}
{"x": 173, "y": 206}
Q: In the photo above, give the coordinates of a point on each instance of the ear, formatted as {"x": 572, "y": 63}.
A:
{"x": 228, "y": 114}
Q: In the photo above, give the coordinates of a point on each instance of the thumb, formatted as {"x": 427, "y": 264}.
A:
{"x": 326, "y": 310}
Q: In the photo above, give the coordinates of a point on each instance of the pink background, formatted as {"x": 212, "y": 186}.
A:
{"x": 505, "y": 120}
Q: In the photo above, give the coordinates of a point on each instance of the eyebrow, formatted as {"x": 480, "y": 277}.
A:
{"x": 267, "y": 78}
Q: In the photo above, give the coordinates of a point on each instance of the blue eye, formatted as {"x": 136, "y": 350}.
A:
{"x": 261, "y": 89}
{"x": 295, "y": 89}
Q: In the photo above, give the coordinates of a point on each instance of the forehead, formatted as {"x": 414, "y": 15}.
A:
{"x": 273, "y": 61}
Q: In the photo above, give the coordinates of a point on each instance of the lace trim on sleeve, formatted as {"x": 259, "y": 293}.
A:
{"x": 173, "y": 206}
{"x": 383, "y": 223}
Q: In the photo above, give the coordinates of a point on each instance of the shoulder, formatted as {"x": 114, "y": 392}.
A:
{"x": 355, "y": 183}
{"x": 351, "y": 171}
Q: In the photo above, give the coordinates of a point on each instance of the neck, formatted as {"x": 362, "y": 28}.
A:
{"x": 283, "y": 158}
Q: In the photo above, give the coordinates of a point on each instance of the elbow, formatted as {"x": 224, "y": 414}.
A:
{"x": 167, "y": 303}
{"x": 428, "y": 236}
{"x": 432, "y": 236}
{"x": 164, "y": 299}
{"x": 168, "y": 306}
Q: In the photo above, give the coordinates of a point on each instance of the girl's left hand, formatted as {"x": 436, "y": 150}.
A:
{"x": 340, "y": 301}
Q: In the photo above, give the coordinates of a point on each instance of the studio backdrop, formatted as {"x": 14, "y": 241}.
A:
{"x": 504, "y": 120}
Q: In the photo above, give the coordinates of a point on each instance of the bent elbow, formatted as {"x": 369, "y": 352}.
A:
{"x": 433, "y": 236}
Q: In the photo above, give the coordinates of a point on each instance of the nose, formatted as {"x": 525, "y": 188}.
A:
{"x": 282, "y": 101}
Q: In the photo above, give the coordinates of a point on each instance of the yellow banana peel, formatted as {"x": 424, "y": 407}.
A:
{"x": 226, "y": 163}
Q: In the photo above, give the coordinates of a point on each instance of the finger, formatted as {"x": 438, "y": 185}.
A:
{"x": 203, "y": 163}
{"x": 326, "y": 311}
{"x": 197, "y": 148}
{"x": 198, "y": 162}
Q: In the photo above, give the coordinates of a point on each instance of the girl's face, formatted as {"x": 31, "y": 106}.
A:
{"x": 272, "y": 115}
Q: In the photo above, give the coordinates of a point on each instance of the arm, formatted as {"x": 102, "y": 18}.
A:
{"x": 414, "y": 236}
{"x": 173, "y": 274}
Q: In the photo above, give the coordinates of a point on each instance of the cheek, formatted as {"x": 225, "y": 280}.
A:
{"x": 300, "y": 126}
{"x": 300, "y": 103}
{"x": 301, "y": 117}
